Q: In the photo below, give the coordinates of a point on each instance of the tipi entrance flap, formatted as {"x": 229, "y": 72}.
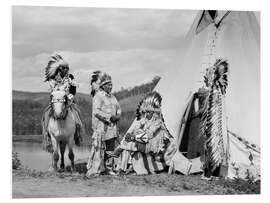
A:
{"x": 184, "y": 121}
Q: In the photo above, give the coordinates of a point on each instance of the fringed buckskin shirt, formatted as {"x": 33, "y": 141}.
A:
{"x": 104, "y": 106}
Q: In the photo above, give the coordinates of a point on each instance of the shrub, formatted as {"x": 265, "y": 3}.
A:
{"x": 16, "y": 163}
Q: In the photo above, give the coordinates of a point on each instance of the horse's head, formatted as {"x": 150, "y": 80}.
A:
{"x": 59, "y": 103}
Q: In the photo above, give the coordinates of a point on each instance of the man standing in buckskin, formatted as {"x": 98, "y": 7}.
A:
{"x": 105, "y": 116}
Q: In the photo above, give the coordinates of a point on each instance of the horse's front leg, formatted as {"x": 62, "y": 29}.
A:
{"x": 71, "y": 155}
{"x": 62, "y": 152}
{"x": 55, "y": 155}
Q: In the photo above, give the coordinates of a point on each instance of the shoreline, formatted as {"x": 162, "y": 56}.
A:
{"x": 27, "y": 138}
{"x": 39, "y": 139}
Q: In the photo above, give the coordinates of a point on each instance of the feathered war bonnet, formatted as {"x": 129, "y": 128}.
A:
{"x": 95, "y": 81}
{"x": 95, "y": 77}
{"x": 105, "y": 78}
{"x": 217, "y": 75}
{"x": 152, "y": 103}
{"x": 55, "y": 64}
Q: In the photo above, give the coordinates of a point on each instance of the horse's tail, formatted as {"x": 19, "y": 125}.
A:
{"x": 77, "y": 116}
{"x": 43, "y": 125}
{"x": 79, "y": 131}
{"x": 47, "y": 145}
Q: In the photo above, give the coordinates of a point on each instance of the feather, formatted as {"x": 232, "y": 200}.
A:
{"x": 139, "y": 111}
{"x": 94, "y": 76}
{"x": 55, "y": 64}
{"x": 220, "y": 75}
{"x": 152, "y": 100}
{"x": 211, "y": 122}
{"x": 50, "y": 71}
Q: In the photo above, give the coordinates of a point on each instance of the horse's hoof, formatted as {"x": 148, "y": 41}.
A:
{"x": 52, "y": 169}
{"x": 61, "y": 170}
{"x": 73, "y": 170}
{"x": 91, "y": 175}
{"x": 62, "y": 167}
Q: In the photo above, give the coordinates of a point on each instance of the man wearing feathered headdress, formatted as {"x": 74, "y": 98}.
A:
{"x": 213, "y": 121}
{"x": 57, "y": 74}
{"x": 147, "y": 144}
{"x": 95, "y": 82}
{"x": 105, "y": 116}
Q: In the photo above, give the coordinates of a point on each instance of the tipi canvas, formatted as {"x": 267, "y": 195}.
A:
{"x": 235, "y": 37}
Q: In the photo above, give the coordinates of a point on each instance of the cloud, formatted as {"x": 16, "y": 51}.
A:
{"x": 127, "y": 67}
{"x": 132, "y": 45}
{"x": 45, "y": 29}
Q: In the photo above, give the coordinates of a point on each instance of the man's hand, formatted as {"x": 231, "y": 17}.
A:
{"x": 103, "y": 119}
{"x": 114, "y": 119}
{"x": 129, "y": 137}
{"x": 91, "y": 131}
{"x": 71, "y": 97}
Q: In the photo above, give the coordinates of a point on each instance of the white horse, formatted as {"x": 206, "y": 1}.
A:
{"x": 61, "y": 127}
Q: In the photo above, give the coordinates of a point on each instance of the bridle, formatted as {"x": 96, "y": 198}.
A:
{"x": 58, "y": 100}
{"x": 63, "y": 101}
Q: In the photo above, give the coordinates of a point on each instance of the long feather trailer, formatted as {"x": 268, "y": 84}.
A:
{"x": 212, "y": 126}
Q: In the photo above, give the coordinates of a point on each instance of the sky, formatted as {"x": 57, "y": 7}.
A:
{"x": 132, "y": 45}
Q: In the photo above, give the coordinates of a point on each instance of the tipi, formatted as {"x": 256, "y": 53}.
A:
{"x": 234, "y": 36}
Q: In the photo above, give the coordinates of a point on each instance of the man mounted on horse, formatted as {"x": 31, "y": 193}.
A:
{"x": 58, "y": 76}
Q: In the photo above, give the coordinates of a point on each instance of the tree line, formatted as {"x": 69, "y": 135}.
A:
{"x": 137, "y": 90}
{"x": 27, "y": 113}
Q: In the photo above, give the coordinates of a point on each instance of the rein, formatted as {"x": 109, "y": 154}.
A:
{"x": 64, "y": 101}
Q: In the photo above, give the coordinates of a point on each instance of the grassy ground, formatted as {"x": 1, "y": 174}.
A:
{"x": 35, "y": 184}
{"x": 29, "y": 183}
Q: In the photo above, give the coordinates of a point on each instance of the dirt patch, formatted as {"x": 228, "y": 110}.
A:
{"x": 35, "y": 184}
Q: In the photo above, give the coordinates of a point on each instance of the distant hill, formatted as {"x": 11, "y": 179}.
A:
{"x": 42, "y": 97}
{"x": 27, "y": 108}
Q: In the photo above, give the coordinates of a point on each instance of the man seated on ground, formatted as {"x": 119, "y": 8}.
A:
{"x": 147, "y": 145}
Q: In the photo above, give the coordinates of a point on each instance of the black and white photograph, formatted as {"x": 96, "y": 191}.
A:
{"x": 110, "y": 102}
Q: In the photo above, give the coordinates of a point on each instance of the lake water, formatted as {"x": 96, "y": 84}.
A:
{"x": 33, "y": 156}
